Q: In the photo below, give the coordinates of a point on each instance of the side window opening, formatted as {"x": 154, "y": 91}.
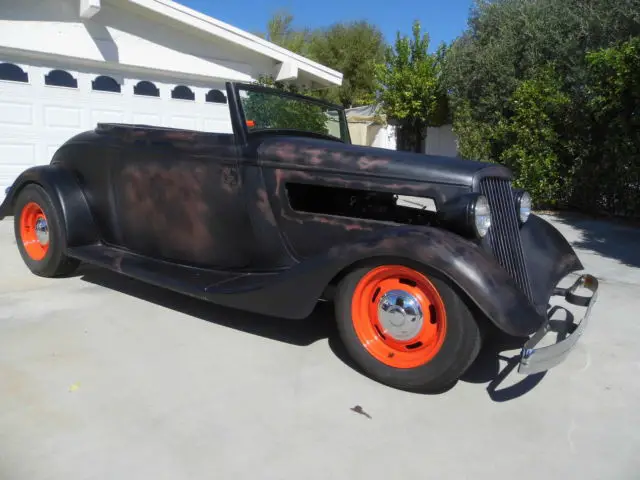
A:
{"x": 364, "y": 204}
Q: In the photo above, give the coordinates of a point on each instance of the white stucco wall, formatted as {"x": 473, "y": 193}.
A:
{"x": 441, "y": 141}
{"x": 385, "y": 138}
{"x": 123, "y": 35}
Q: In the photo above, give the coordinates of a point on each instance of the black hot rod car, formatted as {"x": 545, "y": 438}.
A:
{"x": 418, "y": 253}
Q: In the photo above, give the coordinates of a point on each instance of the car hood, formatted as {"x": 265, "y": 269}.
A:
{"x": 332, "y": 156}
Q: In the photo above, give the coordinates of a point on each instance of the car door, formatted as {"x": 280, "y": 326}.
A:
{"x": 178, "y": 196}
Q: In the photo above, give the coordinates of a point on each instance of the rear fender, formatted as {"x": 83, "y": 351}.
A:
{"x": 67, "y": 197}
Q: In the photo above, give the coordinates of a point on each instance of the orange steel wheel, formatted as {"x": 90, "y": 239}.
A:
{"x": 399, "y": 316}
{"x": 34, "y": 231}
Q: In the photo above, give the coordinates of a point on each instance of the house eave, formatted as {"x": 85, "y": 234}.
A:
{"x": 291, "y": 62}
{"x": 88, "y": 8}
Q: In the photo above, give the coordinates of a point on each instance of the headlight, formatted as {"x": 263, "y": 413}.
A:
{"x": 523, "y": 205}
{"x": 481, "y": 215}
{"x": 468, "y": 215}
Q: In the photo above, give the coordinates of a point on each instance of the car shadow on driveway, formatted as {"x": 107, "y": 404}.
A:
{"x": 294, "y": 332}
{"x": 488, "y": 369}
{"x": 318, "y": 326}
{"x": 615, "y": 239}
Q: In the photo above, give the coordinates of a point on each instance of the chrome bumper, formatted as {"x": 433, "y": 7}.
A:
{"x": 535, "y": 360}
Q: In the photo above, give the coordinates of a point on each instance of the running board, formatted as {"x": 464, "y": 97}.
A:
{"x": 267, "y": 293}
{"x": 188, "y": 280}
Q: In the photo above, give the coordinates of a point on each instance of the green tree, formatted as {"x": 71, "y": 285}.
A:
{"x": 608, "y": 177}
{"x": 410, "y": 90}
{"x": 354, "y": 49}
{"x": 532, "y": 144}
{"x": 504, "y": 57}
{"x": 273, "y": 111}
{"x": 280, "y": 31}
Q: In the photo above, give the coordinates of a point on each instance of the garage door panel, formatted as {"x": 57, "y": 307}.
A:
{"x": 106, "y": 116}
{"x": 17, "y": 154}
{"x": 183, "y": 121}
{"x": 62, "y": 117}
{"x": 146, "y": 118}
{"x": 36, "y": 119}
{"x": 216, "y": 125}
{"x": 63, "y": 94}
{"x": 216, "y": 118}
{"x": 14, "y": 88}
{"x": 16, "y": 114}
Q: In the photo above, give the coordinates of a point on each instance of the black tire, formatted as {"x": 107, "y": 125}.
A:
{"x": 55, "y": 263}
{"x": 459, "y": 349}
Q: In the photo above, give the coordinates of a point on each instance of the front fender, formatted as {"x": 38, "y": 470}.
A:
{"x": 548, "y": 256}
{"x": 476, "y": 273}
{"x": 293, "y": 293}
{"x": 67, "y": 197}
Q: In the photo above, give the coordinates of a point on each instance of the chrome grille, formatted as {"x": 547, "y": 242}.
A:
{"x": 504, "y": 235}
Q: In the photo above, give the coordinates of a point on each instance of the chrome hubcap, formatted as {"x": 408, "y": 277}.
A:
{"x": 400, "y": 315}
{"x": 42, "y": 231}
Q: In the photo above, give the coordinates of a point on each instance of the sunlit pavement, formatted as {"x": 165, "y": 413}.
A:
{"x": 103, "y": 377}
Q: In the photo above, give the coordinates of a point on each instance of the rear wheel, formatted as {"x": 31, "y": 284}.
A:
{"x": 404, "y": 328}
{"x": 40, "y": 233}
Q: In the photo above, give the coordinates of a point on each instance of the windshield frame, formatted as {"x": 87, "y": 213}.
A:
{"x": 344, "y": 127}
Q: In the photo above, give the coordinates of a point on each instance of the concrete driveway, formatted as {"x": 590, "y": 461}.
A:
{"x": 102, "y": 377}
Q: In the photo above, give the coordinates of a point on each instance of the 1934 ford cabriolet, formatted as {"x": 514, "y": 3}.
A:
{"x": 420, "y": 254}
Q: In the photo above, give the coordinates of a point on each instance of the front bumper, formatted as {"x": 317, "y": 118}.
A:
{"x": 535, "y": 360}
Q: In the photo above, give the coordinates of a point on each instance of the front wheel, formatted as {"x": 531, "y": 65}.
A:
{"x": 404, "y": 328}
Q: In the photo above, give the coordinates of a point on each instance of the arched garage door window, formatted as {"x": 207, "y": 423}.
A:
{"x": 60, "y": 78}
{"x": 105, "y": 84}
{"x": 183, "y": 93}
{"x": 13, "y": 73}
{"x": 146, "y": 89}
{"x": 215, "y": 96}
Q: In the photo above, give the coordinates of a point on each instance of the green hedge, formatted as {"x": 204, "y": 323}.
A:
{"x": 552, "y": 90}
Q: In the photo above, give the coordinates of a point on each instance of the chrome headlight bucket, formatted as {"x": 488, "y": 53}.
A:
{"x": 523, "y": 205}
{"x": 481, "y": 214}
{"x": 468, "y": 215}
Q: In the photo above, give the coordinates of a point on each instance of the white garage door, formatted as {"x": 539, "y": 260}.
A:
{"x": 41, "y": 108}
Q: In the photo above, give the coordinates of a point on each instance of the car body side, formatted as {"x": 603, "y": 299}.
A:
{"x": 212, "y": 215}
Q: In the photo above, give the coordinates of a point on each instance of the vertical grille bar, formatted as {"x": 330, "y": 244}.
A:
{"x": 504, "y": 235}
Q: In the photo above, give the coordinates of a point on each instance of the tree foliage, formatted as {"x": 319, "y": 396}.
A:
{"x": 410, "y": 89}
{"x": 530, "y": 85}
{"x": 550, "y": 88}
{"x": 273, "y": 111}
{"x": 532, "y": 145}
{"x": 354, "y": 49}
{"x": 610, "y": 170}
{"x": 280, "y": 30}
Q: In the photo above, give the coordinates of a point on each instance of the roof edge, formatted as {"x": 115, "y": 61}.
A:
{"x": 223, "y": 30}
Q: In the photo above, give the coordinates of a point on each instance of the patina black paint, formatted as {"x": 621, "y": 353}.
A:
{"x": 209, "y": 215}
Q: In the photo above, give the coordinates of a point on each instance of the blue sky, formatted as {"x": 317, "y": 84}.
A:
{"x": 444, "y": 20}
